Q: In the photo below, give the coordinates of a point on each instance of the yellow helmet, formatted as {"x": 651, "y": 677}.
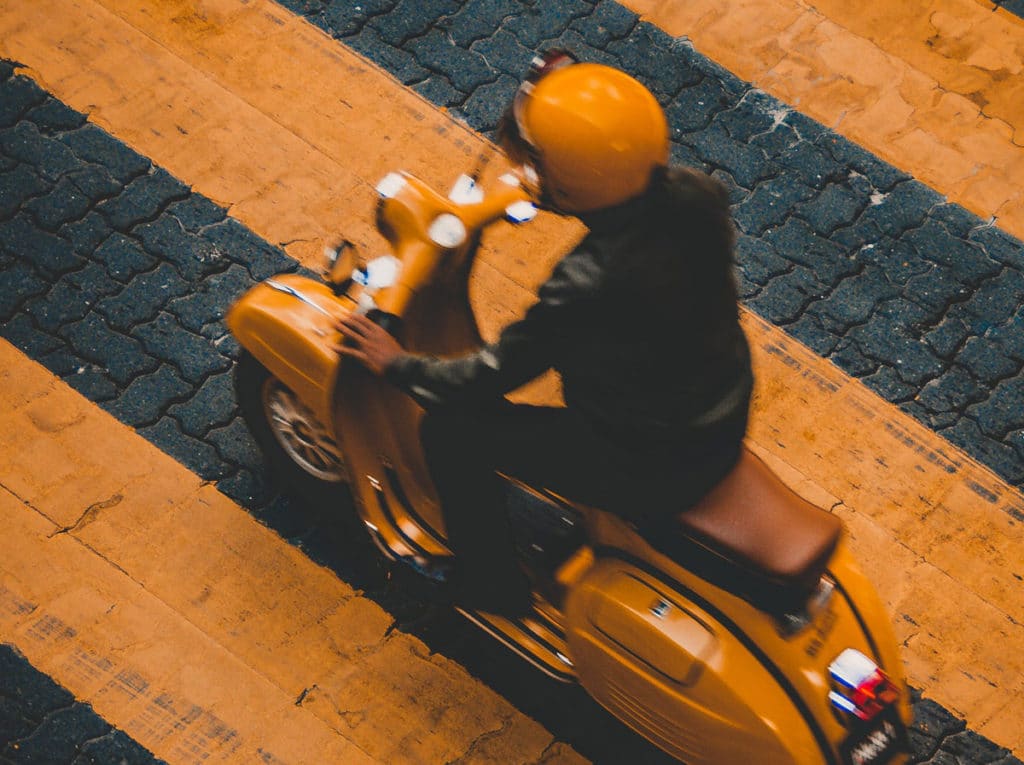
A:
{"x": 592, "y": 134}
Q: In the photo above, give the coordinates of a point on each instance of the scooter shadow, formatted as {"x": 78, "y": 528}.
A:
{"x": 331, "y": 535}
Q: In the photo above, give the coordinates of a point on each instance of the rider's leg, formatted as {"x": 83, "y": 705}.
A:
{"x": 464, "y": 448}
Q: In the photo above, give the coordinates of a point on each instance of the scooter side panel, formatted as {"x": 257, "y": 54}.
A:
{"x": 669, "y": 670}
{"x": 292, "y": 336}
{"x": 798, "y": 663}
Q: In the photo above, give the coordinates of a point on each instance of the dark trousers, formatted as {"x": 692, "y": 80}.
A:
{"x": 552, "y": 448}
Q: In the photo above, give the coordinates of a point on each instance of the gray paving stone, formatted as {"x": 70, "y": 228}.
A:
{"x": 1000, "y": 457}
{"x": 49, "y": 254}
{"x": 785, "y": 297}
{"x": 536, "y": 23}
{"x": 193, "y": 255}
{"x": 770, "y": 204}
{"x": 142, "y": 200}
{"x": 87, "y": 234}
{"x": 58, "y": 738}
{"x": 47, "y": 156}
{"x": 123, "y": 357}
{"x": 124, "y": 257}
{"x": 94, "y": 145}
{"x": 693, "y": 108}
{"x": 834, "y": 207}
{"x": 20, "y": 283}
{"x": 811, "y": 164}
{"x": 503, "y": 53}
{"x": 21, "y": 332}
{"x": 65, "y": 202}
{"x": 606, "y": 22}
{"x": 999, "y": 245}
{"x": 198, "y": 456}
{"x": 196, "y": 212}
{"x": 478, "y": 20}
{"x": 194, "y": 356}
{"x": 210, "y": 300}
{"x": 143, "y": 298}
{"x": 239, "y": 244}
{"x": 64, "y": 303}
{"x": 52, "y": 116}
{"x": 951, "y": 391}
{"x": 465, "y": 69}
{"x": 410, "y": 18}
{"x": 800, "y": 244}
{"x": 18, "y": 95}
{"x": 748, "y": 165}
{"x": 937, "y": 288}
{"x": 857, "y": 297}
{"x": 1002, "y": 411}
{"x": 998, "y": 299}
{"x": 212, "y": 405}
{"x": 966, "y": 262}
{"x": 886, "y": 383}
{"x": 758, "y": 259}
{"x": 17, "y": 186}
{"x": 850, "y": 357}
{"x": 881, "y": 175}
{"x": 894, "y": 345}
{"x": 946, "y": 338}
{"x": 95, "y": 182}
{"x": 756, "y": 114}
{"x": 439, "y": 90}
{"x": 342, "y": 19}
{"x": 483, "y": 109}
{"x": 148, "y": 397}
{"x": 808, "y": 330}
{"x": 235, "y": 444}
{"x": 987, "y": 361}
{"x": 648, "y": 53}
{"x": 900, "y": 261}
{"x": 402, "y": 64}
{"x": 1010, "y": 336}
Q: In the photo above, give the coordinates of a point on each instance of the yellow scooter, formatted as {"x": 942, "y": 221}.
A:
{"x": 759, "y": 642}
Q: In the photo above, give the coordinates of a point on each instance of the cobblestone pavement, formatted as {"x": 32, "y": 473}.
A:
{"x": 40, "y": 722}
{"x": 116, "y": 277}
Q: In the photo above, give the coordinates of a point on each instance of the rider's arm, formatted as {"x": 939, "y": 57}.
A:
{"x": 524, "y": 350}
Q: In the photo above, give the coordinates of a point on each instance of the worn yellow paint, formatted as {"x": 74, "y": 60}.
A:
{"x": 195, "y": 629}
{"x": 933, "y": 87}
{"x": 293, "y": 142}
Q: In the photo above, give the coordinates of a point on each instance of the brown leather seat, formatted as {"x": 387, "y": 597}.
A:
{"x": 754, "y": 522}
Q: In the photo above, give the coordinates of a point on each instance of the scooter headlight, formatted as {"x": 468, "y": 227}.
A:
{"x": 447, "y": 231}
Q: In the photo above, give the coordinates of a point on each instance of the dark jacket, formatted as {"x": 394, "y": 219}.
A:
{"x": 640, "y": 320}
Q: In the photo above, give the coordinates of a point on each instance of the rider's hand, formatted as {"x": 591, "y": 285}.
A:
{"x": 368, "y": 342}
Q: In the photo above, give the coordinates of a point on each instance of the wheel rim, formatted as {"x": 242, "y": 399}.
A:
{"x": 302, "y": 436}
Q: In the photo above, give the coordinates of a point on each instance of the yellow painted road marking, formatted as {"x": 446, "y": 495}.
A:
{"x": 920, "y": 511}
{"x": 195, "y": 629}
{"x": 931, "y": 86}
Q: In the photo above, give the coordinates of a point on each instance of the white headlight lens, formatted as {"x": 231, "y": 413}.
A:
{"x": 447, "y": 231}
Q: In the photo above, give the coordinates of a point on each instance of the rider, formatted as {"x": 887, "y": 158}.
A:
{"x": 640, "y": 320}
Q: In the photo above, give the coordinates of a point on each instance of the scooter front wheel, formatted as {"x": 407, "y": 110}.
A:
{"x": 296, "y": 444}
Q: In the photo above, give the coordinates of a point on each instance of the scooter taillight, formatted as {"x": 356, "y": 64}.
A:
{"x": 862, "y": 689}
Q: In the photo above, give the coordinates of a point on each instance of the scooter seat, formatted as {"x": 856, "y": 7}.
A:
{"x": 752, "y": 524}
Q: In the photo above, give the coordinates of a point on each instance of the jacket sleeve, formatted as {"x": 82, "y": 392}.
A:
{"x": 525, "y": 349}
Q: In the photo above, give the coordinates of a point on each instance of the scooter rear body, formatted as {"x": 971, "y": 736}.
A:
{"x": 693, "y": 650}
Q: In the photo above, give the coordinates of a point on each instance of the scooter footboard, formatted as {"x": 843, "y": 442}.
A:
{"x": 287, "y": 324}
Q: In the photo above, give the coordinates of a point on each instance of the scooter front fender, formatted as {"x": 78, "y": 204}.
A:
{"x": 287, "y": 323}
